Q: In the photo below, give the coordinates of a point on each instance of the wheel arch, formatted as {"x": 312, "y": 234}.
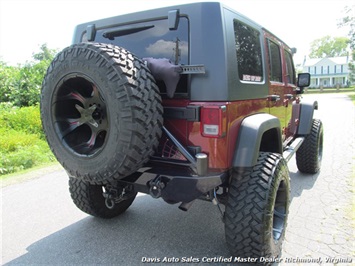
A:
{"x": 260, "y": 132}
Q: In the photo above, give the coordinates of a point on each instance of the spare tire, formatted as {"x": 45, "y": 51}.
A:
{"x": 101, "y": 112}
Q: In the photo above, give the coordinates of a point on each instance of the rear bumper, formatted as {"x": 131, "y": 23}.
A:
{"x": 173, "y": 184}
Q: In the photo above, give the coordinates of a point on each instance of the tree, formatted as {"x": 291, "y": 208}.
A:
{"x": 8, "y": 77}
{"x": 329, "y": 47}
{"x": 21, "y": 85}
{"x": 45, "y": 54}
{"x": 349, "y": 21}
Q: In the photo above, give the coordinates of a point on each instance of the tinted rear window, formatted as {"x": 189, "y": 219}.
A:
{"x": 248, "y": 49}
{"x": 155, "y": 41}
{"x": 291, "y": 76}
{"x": 275, "y": 62}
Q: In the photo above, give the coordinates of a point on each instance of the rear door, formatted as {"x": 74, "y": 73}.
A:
{"x": 290, "y": 91}
{"x": 280, "y": 96}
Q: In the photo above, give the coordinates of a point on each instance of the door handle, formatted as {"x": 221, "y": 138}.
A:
{"x": 273, "y": 98}
{"x": 288, "y": 96}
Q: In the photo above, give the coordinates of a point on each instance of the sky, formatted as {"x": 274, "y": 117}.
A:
{"x": 27, "y": 24}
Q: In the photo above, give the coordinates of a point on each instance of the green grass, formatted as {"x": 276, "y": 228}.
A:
{"x": 22, "y": 142}
{"x": 329, "y": 90}
{"x": 348, "y": 91}
{"x": 29, "y": 174}
{"x": 351, "y": 95}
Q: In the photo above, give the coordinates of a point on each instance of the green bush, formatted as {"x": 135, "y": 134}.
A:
{"x": 21, "y": 85}
{"x": 8, "y": 77}
{"x": 24, "y": 158}
{"x": 19, "y": 150}
{"x": 24, "y": 119}
{"x": 22, "y": 143}
{"x": 12, "y": 140}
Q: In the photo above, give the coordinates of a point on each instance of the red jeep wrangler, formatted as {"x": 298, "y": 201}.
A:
{"x": 183, "y": 103}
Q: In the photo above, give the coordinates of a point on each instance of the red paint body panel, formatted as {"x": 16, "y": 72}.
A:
{"x": 220, "y": 150}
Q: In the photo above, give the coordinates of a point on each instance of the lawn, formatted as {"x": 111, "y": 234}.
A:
{"x": 351, "y": 95}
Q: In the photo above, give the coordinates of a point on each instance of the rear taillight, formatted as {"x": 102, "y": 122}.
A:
{"x": 213, "y": 121}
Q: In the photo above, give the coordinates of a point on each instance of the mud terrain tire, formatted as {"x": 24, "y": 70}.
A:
{"x": 89, "y": 198}
{"x": 309, "y": 155}
{"x": 257, "y": 208}
{"x": 101, "y": 112}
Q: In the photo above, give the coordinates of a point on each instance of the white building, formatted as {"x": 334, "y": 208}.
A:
{"x": 328, "y": 72}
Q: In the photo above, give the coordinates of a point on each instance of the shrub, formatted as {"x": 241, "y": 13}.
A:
{"x": 22, "y": 143}
{"x": 20, "y": 151}
{"x": 24, "y": 119}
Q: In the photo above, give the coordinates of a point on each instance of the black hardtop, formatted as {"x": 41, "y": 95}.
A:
{"x": 211, "y": 43}
{"x": 194, "y": 11}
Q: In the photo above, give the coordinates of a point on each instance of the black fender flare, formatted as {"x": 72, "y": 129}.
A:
{"x": 306, "y": 116}
{"x": 250, "y": 137}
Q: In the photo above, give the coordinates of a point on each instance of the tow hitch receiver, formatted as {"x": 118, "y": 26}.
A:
{"x": 156, "y": 186}
{"x": 115, "y": 195}
{"x": 171, "y": 187}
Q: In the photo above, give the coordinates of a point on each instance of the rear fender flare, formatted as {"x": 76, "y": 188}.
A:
{"x": 306, "y": 117}
{"x": 250, "y": 137}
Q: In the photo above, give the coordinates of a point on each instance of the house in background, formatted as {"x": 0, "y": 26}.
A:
{"x": 328, "y": 72}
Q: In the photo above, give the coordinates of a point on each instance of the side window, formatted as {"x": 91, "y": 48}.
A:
{"x": 248, "y": 49}
{"x": 291, "y": 76}
{"x": 275, "y": 62}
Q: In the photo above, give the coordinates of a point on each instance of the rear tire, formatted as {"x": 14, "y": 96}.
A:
{"x": 101, "y": 112}
{"x": 309, "y": 155}
{"x": 89, "y": 198}
{"x": 257, "y": 208}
